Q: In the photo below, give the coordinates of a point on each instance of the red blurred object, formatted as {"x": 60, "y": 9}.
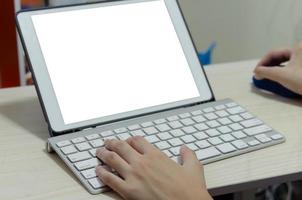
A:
{"x": 32, "y": 3}
{"x": 9, "y": 70}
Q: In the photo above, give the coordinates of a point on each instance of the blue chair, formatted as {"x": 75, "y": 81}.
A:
{"x": 205, "y": 57}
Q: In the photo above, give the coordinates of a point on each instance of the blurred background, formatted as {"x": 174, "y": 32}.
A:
{"x": 231, "y": 30}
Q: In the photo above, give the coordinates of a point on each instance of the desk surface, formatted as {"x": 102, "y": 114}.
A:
{"x": 28, "y": 172}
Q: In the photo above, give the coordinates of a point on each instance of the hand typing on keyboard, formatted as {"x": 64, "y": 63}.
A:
{"x": 214, "y": 132}
{"x": 147, "y": 173}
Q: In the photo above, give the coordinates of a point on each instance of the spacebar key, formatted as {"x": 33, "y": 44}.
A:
{"x": 207, "y": 153}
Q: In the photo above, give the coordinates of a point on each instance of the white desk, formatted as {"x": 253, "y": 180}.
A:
{"x": 28, "y": 172}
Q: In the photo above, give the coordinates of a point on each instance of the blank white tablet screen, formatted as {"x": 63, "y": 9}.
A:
{"x": 113, "y": 59}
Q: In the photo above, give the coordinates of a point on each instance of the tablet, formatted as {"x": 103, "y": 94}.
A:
{"x": 99, "y": 63}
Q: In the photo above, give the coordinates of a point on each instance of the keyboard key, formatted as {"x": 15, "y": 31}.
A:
{"x": 110, "y": 138}
{"x": 247, "y": 115}
{"x": 236, "y": 118}
{"x": 175, "y": 151}
{"x": 168, "y": 153}
{"x": 201, "y": 127}
{"x": 233, "y": 104}
{"x": 203, "y": 144}
{"x": 199, "y": 119}
{"x": 227, "y": 137}
{"x": 226, "y": 148}
{"x": 189, "y": 130}
{"x": 200, "y": 136}
{"x": 78, "y": 140}
{"x": 235, "y": 110}
{"x": 68, "y": 150}
{"x": 196, "y": 112}
{"x": 212, "y": 132}
{"x": 257, "y": 130}
{"x": 160, "y": 121}
{"x": 173, "y": 118}
{"x": 239, "y": 134}
{"x": 213, "y": 124}
{"x": 224, "y": 121}
{"x": 63, "y": 143}
{"x": 138, "y": 133}
{"x": 211, "y": 116}
{"x": 164, "y": 136}
{"x": 96, "y": 183}
{"x": 207, "y": 110}
{"x": 120, "y": 130}
{"x": 89, "y": 173}
{"x": 207, "y": 153}
{"x": 239, "y": 144}
{"x": 277, "y": 137}
{"x": 188, "y": 139}
{"x": 222, "y": 113}
{"x": 134, "y": 127}
{"x": 147, "y": 124}
{"x": 175, "y": 142}
{"x": 150, "y": 130}
{"x": 79, "y": 156}
{"x": 152, "y": 139}
{"x": 83, "y": 146}
{"x": 215, "y": 141}
{"x": 124, "y": 136}
{"x": 220, "y": 107}
{"x": 106, "y": 133}
{"x": 163, "y": 127}
{"x": 177, "y": 133}
{"x": 192, "y": 146}
{"x": 253, "y": 142}
{"x": 224, "y": 129}
{"x": 263, "y": 138}
{"x": 187, "y": 122}
{"x": 236, "y": 127}
{"x": 87, "y": 164}
{"x": 251, "y": 122}
{"x": 162, "y": 145}
{"x": 175, "y": 124}
{"x": 92, "y": 152}
{"x": 92, "y": 137}
{"x": 184, "y": 115}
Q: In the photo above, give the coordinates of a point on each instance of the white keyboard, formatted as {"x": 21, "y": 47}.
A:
{"x": 214, "y": 131}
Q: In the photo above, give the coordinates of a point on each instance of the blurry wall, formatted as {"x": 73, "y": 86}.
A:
{"x": 243, "y": 29}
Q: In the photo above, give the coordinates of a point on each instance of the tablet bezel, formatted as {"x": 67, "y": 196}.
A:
{"x": 46, "y": 92}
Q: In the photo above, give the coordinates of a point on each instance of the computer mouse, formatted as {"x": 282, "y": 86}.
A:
{"x": 274, "y": 87}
